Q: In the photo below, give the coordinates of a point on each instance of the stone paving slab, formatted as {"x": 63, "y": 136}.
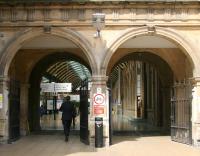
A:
{"x": 54, "y": 145}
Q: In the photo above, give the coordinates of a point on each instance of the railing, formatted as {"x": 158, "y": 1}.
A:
{"x": 181, "y": 112}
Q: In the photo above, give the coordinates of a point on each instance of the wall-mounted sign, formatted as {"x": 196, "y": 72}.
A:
{"x": 49, "y": 104}
{"x": 99, "y": 104}
{"x": 56, "y": 87}
{"x": 98, "y": 110}
{"x": 47, "y": 87}
{"x": 99, "y": 99}
{"x": 1, "y": 101}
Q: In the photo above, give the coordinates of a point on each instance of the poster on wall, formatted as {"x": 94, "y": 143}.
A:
{"x": 58, "y": 104}
{"x": 49, "y": 104}
{"x": 1, "y": 101}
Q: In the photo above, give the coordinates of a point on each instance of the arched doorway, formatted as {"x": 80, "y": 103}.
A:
{"x": 150, "y": 88}
{"x": 39, "y": 56}
{"x": 59, "y": 68}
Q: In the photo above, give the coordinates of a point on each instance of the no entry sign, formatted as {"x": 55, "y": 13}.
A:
{"x": 99, "y": 99}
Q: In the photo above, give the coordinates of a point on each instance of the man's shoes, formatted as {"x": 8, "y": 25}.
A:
{"x": 66, "y": 139}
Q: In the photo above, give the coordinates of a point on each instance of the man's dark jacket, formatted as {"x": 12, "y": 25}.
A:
{"x": 68, "y": 110}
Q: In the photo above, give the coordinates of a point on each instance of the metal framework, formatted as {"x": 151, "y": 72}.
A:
{"x": 14, "y": 110}
{"x": 84, "y": 105}
{"x": 68, "y": 71}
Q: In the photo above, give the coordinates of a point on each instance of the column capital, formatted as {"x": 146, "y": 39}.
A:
{"x": 99, "y": 79}
{"x": 4, "y": 78}
{"x": 4, "y": 81}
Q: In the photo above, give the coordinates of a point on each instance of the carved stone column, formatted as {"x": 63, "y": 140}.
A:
{"x": 24, "y": 130}
{"x": 4, "y": 113}
{"x": 196, "y": 112}
{"x": 99, "y": 86}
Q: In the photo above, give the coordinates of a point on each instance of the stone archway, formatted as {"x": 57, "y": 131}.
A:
{"x": 185, "y": 45}
{"x": 35, "y": 79}
{"x": 186, "y": 48}
{"x": 20, "y": 39}
{"x": 17, "y": 43}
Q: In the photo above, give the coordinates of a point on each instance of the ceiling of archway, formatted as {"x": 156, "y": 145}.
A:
{"x": 115, "y": 72}
{"x": 133, "y": 61}
{"x": 68, "y": 72}
{"x": 49, "y": 42}
{"x": 148, "y": 42}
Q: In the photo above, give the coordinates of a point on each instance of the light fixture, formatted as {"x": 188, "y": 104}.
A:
{"x": 98, "y": 21}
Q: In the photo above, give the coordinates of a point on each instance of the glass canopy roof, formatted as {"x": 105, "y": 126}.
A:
{"x": 67, "y": 72}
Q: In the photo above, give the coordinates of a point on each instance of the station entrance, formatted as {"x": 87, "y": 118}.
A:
{"x": 33, "y": 110}
{"x": 149, "y": 84}
{"x": 150, "y": 93}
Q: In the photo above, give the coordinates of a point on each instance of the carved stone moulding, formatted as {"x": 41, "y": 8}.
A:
{"x": 34, "y": 14}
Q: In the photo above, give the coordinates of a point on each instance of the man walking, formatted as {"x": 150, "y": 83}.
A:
{"x": 67, "y": 110}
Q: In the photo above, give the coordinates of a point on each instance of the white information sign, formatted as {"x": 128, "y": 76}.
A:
{"x": 56, "y": 87}
{"x": 47, "y": 87}
{"x": 75, "y": 98}
{"x": 63, "y": 87}
{"x": 1, "y": 101}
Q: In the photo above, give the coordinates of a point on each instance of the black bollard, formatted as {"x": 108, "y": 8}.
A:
{"x": 98, "y": 132}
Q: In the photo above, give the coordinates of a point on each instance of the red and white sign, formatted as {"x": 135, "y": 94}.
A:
{"x": 99, "y": 99}
{"x": 98, "y": 110}
{"x": 99, "y": 104}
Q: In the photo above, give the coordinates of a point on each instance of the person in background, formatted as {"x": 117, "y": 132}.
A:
{"x": 42, "y": 110}
{"x": 68, "y": 110}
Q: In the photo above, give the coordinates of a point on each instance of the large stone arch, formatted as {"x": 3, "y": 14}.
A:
{"x": 23, "y": 36}
{"x": 167, "y": 33}
{"x": 35, "y": 79}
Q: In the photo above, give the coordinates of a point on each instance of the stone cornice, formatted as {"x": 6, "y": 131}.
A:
{"x": 81, "y": 15}
{"x": 98, "y": 79}
{"x": 105, "y": 4}
{"x": 99, "y": 2}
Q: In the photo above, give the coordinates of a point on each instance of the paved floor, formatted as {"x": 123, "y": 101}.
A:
{"x": 47, "y": 122}
{"x": 54, "y": 145}
{"x": 120, "y": 123}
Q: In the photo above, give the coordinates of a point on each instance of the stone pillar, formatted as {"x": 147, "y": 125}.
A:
{"x": 24, "y": 127}
{"x": 99, "y": 86}
{"x": 196, "y": 112}
{"x": 4, "y": 110}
